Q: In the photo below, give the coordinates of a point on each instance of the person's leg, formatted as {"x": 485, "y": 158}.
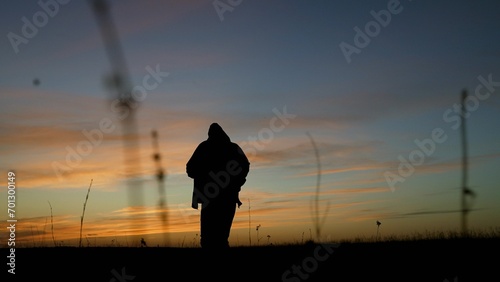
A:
{"x": 207, "y": 222}
{"x": 226, "y": 216}
{"x": 216, "y": 221}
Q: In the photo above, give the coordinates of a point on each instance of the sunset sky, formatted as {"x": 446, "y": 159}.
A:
{"x": 272, "y": 74}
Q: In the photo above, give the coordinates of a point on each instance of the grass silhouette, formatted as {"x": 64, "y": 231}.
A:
{"x": 83, "y": 213}
{"x": 52, "y": 225}
{"x": 317, "y": 220}
{"x": 427, "y": 256}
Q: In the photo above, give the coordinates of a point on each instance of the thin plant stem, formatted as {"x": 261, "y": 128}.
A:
{"x": 316, "y": 218}
{"x": 249, "y": 224}
{"x": 52, "y": 225}
{"x": 83, "y": 213}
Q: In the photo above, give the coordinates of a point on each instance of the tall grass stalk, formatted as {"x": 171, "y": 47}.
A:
{"x": 318, "y": 222}
{"x": 249, "y": 225}
{"x": 32, "y": 236}
{"x": 43, "y": 231}
{"x": 83, "y": 213}
{"x": 160, "y": 177}
{"x": 52, "y": 225}
{"x": 258, "y": 238}
{"x": 378, "y": 227}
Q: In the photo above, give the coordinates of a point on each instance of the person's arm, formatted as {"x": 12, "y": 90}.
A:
{"x": 193, "y": 165}
{"x": 244, "y": 164}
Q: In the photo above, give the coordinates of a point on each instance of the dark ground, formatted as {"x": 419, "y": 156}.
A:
{"x": 427, "y": 260}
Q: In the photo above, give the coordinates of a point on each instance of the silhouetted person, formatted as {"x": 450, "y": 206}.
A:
{"x": 219, "y": 168}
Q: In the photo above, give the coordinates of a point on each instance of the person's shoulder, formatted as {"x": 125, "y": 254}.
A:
{"x": 237, "y": 148}
{"x": 203, "y": 143}
{"x": 235, "y": 145}
{"x": 202, "y": 146}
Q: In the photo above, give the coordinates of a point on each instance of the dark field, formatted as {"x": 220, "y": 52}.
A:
{"x": 425, "y": 260}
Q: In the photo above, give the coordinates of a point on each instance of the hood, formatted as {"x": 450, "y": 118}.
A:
{"x": 216, "y": 133}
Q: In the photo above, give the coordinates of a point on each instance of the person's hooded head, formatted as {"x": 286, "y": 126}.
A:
{"x": 217, "y": 134}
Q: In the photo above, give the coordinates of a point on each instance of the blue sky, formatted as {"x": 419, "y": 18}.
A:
{"x": 260, "y": 58}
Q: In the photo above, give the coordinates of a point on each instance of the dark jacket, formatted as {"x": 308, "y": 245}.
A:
{"x": 219, "y": 168}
